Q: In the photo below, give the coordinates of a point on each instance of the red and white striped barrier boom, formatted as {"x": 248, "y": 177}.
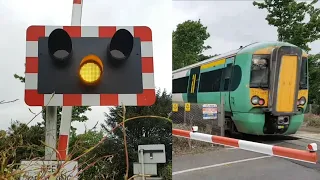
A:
{"x": 299, "y": 155}
{"x": 67, "y": 110}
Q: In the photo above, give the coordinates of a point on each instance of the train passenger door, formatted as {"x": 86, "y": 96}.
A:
{"x": 193, "y": 85}
{"x": 226, "y": 83}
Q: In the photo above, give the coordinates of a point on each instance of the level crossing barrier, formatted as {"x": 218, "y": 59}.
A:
{"x": 308, "y": 155}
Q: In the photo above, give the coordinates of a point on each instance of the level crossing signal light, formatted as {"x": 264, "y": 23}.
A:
{"x": 89, "y": 66}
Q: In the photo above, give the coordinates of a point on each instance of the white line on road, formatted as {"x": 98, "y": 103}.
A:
{"x": 217, "y": 165}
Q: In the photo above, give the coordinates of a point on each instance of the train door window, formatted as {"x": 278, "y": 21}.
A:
{"x": 227, "y": 77}
{"x": 180, "y": 85}
{"x": 304, "y": 74}
{"x": 210, "y": 81}
{"x": 194, "y": 78}
{"x": 260, "y": 71}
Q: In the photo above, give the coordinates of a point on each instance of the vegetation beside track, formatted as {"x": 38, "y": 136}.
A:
{"x": 181, "y": 146}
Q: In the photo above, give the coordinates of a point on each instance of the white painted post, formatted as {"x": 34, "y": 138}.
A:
{"x": 67, "y": 110}
{"x": 76, "y": 13}
{"x": 142, "y": 164}
{"x": 51, "y": 133}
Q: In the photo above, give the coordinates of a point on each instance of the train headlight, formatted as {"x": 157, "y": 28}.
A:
{"x": 255, "y": 100}
{"x": 261, "y": 102}
{"x": 302, "y": 101}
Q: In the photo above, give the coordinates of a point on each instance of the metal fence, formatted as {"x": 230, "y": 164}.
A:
{"x": 192, "y": 114}
{"x": 313, "y": 109}
{"x": 208, "y": 117}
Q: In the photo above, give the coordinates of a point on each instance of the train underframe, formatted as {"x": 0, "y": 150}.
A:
{"x": 263, "y": 124}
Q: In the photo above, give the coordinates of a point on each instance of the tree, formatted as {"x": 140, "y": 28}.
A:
{"x": 80, "y": 144}
{"x": 77, "y": 111}
{"x": 188, "y": 43}
{"x": 314, "y": 79}
{"x": 204, "y": 57}
{"x": 291, "y": 20}
{"x": 139, "y": 131}
{"x": 25, "y": 141}
{"x": 289, "y": 17}
{"x": 21, "y": 142}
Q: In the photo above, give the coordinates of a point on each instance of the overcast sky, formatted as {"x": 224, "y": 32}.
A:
{"x": 231, "y": 24}
{"x": 17, "y": 15}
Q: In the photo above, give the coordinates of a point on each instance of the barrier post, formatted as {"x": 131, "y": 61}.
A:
{"x": 221, "y": 120}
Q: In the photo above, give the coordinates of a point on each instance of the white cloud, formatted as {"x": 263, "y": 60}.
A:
{"x": 17, "y": 15}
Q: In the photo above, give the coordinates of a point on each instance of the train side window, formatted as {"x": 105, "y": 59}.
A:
{"x": 180, "y": 85}
{"x": 210, "y": 81}
{"x": 304, "y": 74}
{"x": 236, "y": 77}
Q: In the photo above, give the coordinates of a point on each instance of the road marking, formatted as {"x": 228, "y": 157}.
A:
{"x": 217, "y": 165}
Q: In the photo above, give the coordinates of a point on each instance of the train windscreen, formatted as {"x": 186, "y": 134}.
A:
{"x": 304, "y": 74}
{"x": 260, "y": 71}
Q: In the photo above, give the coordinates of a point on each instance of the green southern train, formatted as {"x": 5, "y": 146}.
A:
{"x": 264, "y": 85}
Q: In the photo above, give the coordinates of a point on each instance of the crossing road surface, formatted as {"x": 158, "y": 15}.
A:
{"x": 236, "y": 164}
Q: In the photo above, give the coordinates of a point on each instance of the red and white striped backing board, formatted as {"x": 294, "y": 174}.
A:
{"x": 33, "y": 98}
{"x": 305, "y": 156}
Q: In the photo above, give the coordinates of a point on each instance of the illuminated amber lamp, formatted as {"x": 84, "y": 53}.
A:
{"x": 91, "y": 69}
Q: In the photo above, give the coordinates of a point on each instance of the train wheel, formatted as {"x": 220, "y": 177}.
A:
{"x": 229, "y": 132}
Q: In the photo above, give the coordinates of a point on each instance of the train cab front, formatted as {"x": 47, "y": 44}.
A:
{"x": 279, "y": 86}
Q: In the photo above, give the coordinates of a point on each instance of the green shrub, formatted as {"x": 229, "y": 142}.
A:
{"x": 166, "y": 172}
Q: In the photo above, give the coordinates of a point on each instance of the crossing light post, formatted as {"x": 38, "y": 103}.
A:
{"x": 88, "y": 66}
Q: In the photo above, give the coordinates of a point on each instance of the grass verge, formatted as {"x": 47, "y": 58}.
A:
{"x": 181, "y": 146}
{"x": 312, "y": 120}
